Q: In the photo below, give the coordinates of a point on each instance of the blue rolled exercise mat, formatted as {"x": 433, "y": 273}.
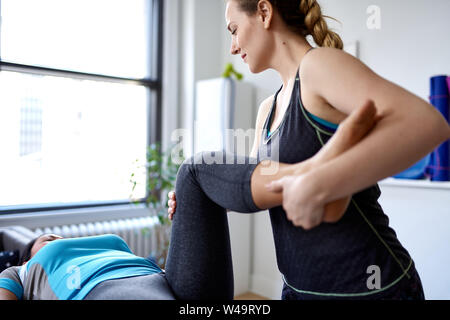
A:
{"x": 439, "y": 167}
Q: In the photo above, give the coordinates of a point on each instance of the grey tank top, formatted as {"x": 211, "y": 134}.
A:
{"x": 333, "y": 258}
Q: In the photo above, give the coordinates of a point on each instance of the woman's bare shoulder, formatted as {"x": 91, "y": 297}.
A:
{"x": 339, "y": 78}
{"x": 324, "y": 57}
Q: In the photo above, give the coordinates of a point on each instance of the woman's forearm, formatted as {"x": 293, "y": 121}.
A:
{"x": 398, "y": 141}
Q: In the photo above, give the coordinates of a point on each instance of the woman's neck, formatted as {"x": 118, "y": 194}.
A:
{"x": 288, "y": 54}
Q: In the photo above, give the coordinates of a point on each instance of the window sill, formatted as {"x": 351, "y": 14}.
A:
{"x": 422, "y": 184}
{"x": 74, "y": 216}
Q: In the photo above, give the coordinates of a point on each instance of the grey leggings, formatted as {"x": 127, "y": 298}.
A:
{"x": 199, "y": 265}
{"x": 149, "y": 287}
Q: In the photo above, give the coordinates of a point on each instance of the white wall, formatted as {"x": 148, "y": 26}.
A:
{"x": 200, "y": 55}
{"x": 171, "y": 65}
{"x": 419, "y": 213}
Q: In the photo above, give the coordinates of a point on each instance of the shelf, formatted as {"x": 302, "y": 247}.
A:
{"x": 406, "y": 183}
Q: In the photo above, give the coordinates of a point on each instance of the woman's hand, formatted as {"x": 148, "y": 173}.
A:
{"x": 304, "y": 204}
{"x": 172, "y": 203}
{"x": 303, "y": 193}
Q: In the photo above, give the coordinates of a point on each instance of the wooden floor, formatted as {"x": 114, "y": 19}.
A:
{"x": 250, "y": 296}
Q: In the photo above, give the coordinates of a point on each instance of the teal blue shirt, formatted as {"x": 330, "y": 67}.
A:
{"x": 68, "y": 269}
{"x": 332, "y": 126}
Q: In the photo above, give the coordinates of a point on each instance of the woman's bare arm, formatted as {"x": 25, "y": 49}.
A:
{"x": 409, "y": 128}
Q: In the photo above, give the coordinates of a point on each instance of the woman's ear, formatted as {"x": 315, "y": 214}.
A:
{"x": 265, "y": 12}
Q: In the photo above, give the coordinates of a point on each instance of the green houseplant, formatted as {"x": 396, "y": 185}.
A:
{"x": 229, "y": 71}
{"x": 161, "y": 172}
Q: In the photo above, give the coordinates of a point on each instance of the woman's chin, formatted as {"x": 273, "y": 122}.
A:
{"x": 254, "y": 69}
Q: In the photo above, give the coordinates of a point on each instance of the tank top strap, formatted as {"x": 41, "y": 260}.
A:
{"x": 269, "y": 119}
{"x": 319, "y": 124}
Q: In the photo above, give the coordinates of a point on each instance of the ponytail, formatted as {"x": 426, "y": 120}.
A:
{"x": 317, "y": 27}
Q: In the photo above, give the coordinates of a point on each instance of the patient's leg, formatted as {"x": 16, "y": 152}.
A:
{"x": 199, "y": 265}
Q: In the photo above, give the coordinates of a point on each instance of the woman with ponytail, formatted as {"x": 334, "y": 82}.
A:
{"x": 359, "y": 256}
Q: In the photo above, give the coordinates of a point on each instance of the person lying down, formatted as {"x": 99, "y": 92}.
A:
{"x": 98, "y": 267}
{"x": 199, "y": 263}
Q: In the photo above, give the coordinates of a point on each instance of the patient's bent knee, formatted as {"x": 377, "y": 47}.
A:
{"x": 188, "y": 166}
{"x": 186, "y": 171}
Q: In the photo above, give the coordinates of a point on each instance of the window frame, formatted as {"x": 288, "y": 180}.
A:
{"x": 154, "y": 103}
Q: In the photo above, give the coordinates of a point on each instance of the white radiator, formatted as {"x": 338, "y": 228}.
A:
{"x": 145, "y": 236}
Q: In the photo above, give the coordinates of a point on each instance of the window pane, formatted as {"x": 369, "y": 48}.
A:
{"x": 65, "y": 140}
{"x": 107, "y": 37}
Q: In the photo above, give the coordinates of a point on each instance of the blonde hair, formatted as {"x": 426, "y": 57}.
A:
{"x": 302, "y": 16}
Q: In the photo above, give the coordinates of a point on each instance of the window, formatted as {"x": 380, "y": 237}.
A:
{"x": 80, "y": 100}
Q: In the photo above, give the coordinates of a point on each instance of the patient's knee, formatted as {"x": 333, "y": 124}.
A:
{"x": 187, "y": 168}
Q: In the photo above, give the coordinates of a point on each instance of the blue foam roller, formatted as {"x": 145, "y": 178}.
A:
{"x": 417, "y": 170}
{"x": 439, "y": 167}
